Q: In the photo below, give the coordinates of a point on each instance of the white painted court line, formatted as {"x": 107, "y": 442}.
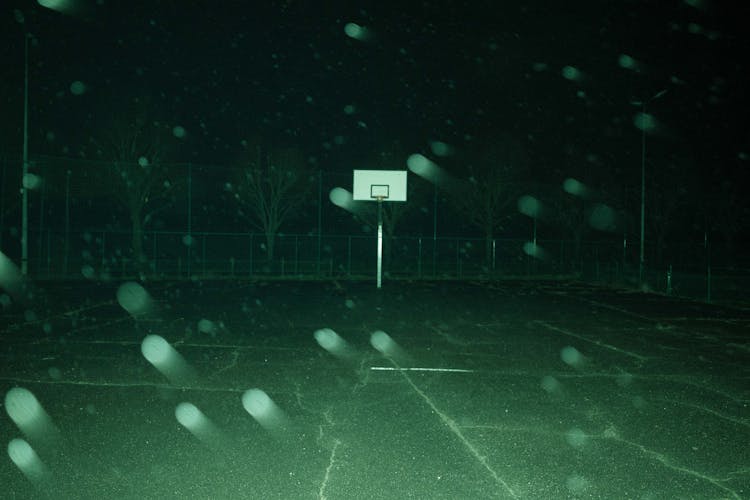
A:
{"x": 707, "y": 319}
{"x": 20, "y": 380}
{"x": 598, "y": 343}
{"x": 177, "y": 343}
{"x": 419, "y": 369}
{"x": 456, "y": 430}
{"x": 604, "y": 306}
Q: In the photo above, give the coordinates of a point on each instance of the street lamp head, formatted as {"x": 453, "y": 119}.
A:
{"x": 639, "y": 102}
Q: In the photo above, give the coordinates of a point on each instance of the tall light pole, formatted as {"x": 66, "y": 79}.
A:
{"x": 645, "y": 123}
{"x": 25, "y": 168}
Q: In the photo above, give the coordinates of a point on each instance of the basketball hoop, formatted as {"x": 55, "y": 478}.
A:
{"x": 380, "y": 185}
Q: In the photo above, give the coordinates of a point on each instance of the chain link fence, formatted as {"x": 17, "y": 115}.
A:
{"x": 77, "y": 231}
{"x": 216, "y": 255}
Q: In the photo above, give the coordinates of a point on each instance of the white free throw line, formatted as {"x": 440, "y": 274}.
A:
{"x": 417, "y": 369}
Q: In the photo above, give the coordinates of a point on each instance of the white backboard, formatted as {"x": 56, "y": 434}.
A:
{"x": 389, "y": 185}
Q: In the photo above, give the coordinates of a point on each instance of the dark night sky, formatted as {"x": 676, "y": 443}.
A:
{"x": 430, "y": 71}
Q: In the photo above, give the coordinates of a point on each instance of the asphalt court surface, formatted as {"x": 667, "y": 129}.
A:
{"x": 488, "y": 390}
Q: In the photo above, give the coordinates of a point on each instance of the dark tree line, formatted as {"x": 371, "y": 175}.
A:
{"x": 130, "y": 159}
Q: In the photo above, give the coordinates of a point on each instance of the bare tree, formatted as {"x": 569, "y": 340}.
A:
{"x": 570, "y": 219}
{"x": 667, "y": 203}
{"x": 272, "y": 187}
{"x": 730, "y": 215}
{"x": 487, "y": 195}
{"x": 133, "y": 149}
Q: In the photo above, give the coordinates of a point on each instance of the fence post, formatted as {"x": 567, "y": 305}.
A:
{"x": 189, "y": 216}
{"x": 320, "y": 221}
{"x": 154, "y": 256}
{"x": 349, "y": 256}
{"x": 251, "y": 255}
{"x": 189, "y": 251}
{"x": 707, "y": 246}
{"x": 458, "y": 258}
{"x": 203, "y": 257}
{"x": 102, "y": 250}
{"x": 669, "y": 280}
{"x": 596, "y": 259}
{"x": 563, "y": 266}
{"x": 66, "y": 245}
{"x": 49, "y": 251}
{"x": 40, "y": 244}
{"x": 434, "y": 256}
{"x": 296, "y": 254}
{"x": 419, "y": 259}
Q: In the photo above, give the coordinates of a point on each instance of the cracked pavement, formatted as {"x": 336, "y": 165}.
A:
{"x": 502, "y": 390}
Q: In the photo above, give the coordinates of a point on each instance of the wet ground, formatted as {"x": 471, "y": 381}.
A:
{"x": 504, "y": 390}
